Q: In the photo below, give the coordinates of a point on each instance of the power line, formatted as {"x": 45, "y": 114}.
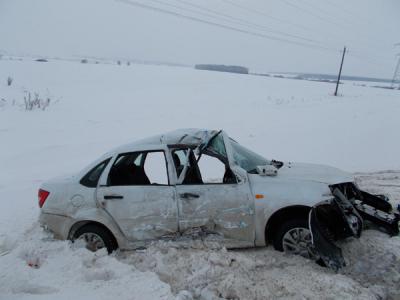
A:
{"x": 341, "y": 19}
{"x": 234, "y": 19}
{"x": 317, "y": 16}
{"x": 343, "y": 9}
{"x": 224, "y": 26}
{"x": 231, "y": 28}
{"x": 262, "y": 13}
{"x": 238, "y": 20}
{"x": 329, "y": 35}
{"x": 333, "y": 42}
{"x": 378, "y": 59}
{"x": 310, "y": 13}
{"x": 327, "y": 13}
{"x": 200, "y": 13}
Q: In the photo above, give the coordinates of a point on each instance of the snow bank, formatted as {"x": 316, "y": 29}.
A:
{"x": 37, "y": 266}
{"x": 41, "y": 267}
{"x": 246, "y": 274}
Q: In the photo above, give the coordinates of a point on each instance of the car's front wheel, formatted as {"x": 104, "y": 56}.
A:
{"x": 294, "y": 237}
{"x": 95, "y": 238}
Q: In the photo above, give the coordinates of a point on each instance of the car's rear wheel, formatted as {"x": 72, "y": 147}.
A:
{"x": 294, "y": 237}
{"x": 95, "y": 238}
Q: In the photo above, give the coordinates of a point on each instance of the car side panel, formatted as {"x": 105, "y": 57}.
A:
{"x": 279, "y": 194}
{"x": 144, "y": 212}
{"x": 70, "y": 203}
{"x": 223, "y": 209}
{"x": 61, "y": 225}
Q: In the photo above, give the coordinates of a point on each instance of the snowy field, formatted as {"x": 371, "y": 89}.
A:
{"x": 96, "y": 107}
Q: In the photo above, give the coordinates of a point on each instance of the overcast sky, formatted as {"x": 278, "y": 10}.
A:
{"x": 264, "y": 35}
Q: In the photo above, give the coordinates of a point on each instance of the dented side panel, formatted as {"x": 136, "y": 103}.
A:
{"x": 224, "y": 209}
{"x": 144, "y": 212}
{"x": 279, "y": 193}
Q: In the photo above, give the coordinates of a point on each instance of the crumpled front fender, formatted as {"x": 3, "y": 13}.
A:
{"x": 329, "y": 221}
{"x": 343, "y": 216}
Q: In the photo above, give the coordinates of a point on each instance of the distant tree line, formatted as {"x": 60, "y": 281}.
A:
{"x": 222, "y": 68}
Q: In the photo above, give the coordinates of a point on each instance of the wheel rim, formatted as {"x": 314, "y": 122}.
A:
{"x": 298, "y": 241}
{"x": 93, "y": 241}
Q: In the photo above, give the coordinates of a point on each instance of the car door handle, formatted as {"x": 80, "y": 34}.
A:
{"x": 111, "y": 197}
{"x": 188, "y": 195}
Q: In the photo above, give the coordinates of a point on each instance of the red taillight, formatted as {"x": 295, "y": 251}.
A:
{"x": 42, "y": 197}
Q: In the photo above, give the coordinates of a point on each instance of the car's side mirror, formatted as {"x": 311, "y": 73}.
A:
{"x": 267, "y": 170}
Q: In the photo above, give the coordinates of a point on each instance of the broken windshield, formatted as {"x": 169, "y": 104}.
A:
{"x": 246, "y": 158}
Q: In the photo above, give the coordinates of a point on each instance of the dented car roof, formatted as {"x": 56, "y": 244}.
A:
{"x": 188, "y": 136}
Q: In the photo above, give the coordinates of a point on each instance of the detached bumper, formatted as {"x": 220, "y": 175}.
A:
{"x": 56, "y": 224}
{"x": 345, "y": 216}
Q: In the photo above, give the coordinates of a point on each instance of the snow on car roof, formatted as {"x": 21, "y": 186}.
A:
{"x": 187, "y": 136}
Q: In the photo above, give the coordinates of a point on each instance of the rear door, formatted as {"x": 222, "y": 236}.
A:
{"x": 213, "y": 200}
{"x": 137, "y": 195}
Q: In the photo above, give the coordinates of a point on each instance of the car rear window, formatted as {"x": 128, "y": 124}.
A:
{"x": 92, "y": 177}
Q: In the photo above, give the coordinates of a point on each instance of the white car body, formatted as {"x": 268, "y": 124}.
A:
{"x": 238, "y": 212}
{"x": 244, "y": 211}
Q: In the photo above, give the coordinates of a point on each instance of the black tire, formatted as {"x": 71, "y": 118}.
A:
{"x": 285, "y": 227}
{"x": 107, "y": 237}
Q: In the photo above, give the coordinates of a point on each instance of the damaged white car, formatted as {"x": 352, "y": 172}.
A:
{"x": 193, "y": 180}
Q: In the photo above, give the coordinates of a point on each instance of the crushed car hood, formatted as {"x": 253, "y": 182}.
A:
{"x": 313, "y": 172}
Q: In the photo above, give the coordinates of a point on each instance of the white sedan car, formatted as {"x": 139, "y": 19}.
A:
{"x": 203, "y": 181}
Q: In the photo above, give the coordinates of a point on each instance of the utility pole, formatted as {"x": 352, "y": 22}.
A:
{"x": 396, "y": 75}
{"x": 340, "y": 71}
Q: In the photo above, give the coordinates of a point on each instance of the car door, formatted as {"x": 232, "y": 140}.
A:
{"x": 212, "y": 199}
{"x": 136, "y": 194}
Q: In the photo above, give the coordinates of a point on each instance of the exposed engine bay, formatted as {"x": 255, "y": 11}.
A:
{"x": 346, "y": 215}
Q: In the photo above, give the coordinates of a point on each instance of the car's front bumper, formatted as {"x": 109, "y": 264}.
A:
{"x": 345, "y": 215}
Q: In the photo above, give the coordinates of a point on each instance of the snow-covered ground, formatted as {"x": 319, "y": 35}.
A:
{"x": 95, "y": 107}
